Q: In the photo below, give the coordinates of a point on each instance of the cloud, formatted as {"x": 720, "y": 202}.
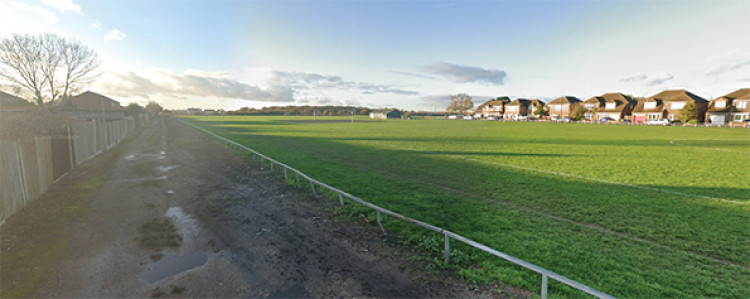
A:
{"x": 41, "y": 11}
{"x": 115, "y": 34}
{"x": 96, "y": 25}
{"x": 191, "y": 83}
{"x": 728, "y": 68}
{"x": 634, "y": 78}
{"x": 414, "y": 75}
{"x": 649, "y": 80}
{"x": 660, "y": 79}
{"x": 62, "y": 5}
{"x": 464, "y": 74}
{"x": 308, "y": 81}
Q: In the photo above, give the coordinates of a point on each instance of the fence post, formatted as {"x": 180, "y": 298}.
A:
{"x": 271, "y": 164}
{"x": 312, "y": 186}
{"x": 447, "y": 249}
{"x": 261, "y": 163}
{"x": 341, "y": 199}
{"x": 380, "y": 224}
{"x": 544, "y": 287}
{"x": 285, "y": 176}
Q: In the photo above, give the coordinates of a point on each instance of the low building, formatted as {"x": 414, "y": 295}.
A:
{"x": 648, "y": 109}
{"x": 592, "y": 106}
{"x": 385, "y": 114}
{"x": 9, "y": 101}
{"x": 562, "y": 107}
{"x": 91, "y": 101}
{"x": 617, "y": 106}
{"x": 518, "y": 107}
{"x": 731, "y": 108}
{"x": 494, "y": 108}
{"x": 675, "y": 100}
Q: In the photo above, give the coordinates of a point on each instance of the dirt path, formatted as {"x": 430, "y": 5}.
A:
{"x": 172, "y": 213}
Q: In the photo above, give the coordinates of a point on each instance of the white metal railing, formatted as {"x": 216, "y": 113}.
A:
{"x": 448, "y": 234}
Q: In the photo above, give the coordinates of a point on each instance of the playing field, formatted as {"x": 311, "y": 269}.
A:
{"x": 633, "y": 211}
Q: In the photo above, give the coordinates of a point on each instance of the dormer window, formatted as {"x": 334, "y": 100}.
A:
{"x": 677, "y": 105}
{"x": 610, "y": 105}
{"x": 721, "y": 104}
{"x": 589, "y": 106}
{"x": 649, "y": 105}
{"x": 742, "y": 104}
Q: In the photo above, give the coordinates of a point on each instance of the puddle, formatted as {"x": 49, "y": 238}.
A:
{"x": 296, "y": 291}
{"x": 186, "y": 225}
{"x": 173, "y": 265}
{"x": 167, "y": 168}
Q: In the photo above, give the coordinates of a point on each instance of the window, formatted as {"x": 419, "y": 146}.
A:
{"x": 650, "y": 105}
{"x": 611, "y": 105}
{"x": 557, "y": 107}
{"x": 589, "y": 106}
{"x": 740, "y": 117}
{"x": 742, "y": 104}
{"x": 654, "y": 116}
{"x": 721, "y": 104}
{"x": 678, "y": 105}
{"x": 512, "y": 108}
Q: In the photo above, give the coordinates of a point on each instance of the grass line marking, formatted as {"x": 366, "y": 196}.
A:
{"x": 606, "y": 181}
{"x": 672, "y": 142}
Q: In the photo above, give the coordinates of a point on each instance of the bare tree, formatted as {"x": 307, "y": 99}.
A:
{"x": 460, "y": 103}
{"x": 47, "y": 67}
{"x": 22, "y": 57}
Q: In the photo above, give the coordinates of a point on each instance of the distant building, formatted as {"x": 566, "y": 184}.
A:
{"x": 91, "y": 101}
{"x": 194, "y": 111}
{"x": 9, "y": 101}
{"x": 491, "y": 108}
{"x": 614, "y": 105}
{"x": 731, "y": 108}
{"x": 562, "y": 107}
{"x": 385, "y": 114}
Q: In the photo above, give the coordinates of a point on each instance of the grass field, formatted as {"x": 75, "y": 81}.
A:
{"x": 633, "y": 211}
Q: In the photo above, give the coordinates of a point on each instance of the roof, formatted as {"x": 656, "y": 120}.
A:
{"x": 564, "y": 100}
{"x": 493, "y": 103}
{"x": 519, "y": 102}
{"x": 730, "y": 105}
{"x": 10, "y": 101}
{"x": 640, "y": 107}
{"x": 742, "y": 93}
{"x": 619, "y": 99}
{"x": 594, "y": 100}
{"x": 384, "y": 110}
{"x": 536, "y": 102}
{"x": 677, "y": 95}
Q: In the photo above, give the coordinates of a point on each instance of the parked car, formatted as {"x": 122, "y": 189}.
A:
{"x": 607, "y": 119}
{"x": 520, "y": 117}
{"x": 491, "y": 118}
{"x": 566, "y": 119}
{"x": 659, "y": 122}
{"x": 468, "y": 117}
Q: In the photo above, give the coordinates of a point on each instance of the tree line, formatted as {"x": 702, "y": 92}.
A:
{"x": 303, "y": 110}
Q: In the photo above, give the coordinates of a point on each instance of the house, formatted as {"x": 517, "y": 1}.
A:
{"x": 9, "y": 101}
{"x": 489, "y": 108}
{"x": 562, "y": 107}
{"x": 592, "y": 105}
{"x": 534, "y": 104}
{"x": 731, "y": 108}
{"x": 520, "y": 107}
{"x": 648, "y": 109}
{"x": 92, "y": 102}
{"x": 616, "y": 106}
{"x": 674, "y": 100}
{"x": 386, "y": 114}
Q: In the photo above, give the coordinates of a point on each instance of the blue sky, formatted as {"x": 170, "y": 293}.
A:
{"x": 403, "y": 54}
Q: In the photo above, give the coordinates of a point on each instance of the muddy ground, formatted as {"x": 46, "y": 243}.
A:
{"x": 171, "y": 212}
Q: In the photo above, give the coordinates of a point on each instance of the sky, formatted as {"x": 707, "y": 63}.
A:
{"x": 410, "y": 55}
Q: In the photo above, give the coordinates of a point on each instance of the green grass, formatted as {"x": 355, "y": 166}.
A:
{"x": 633, "y": 211}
